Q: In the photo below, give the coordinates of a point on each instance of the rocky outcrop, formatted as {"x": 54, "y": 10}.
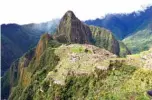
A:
{"x": 72, "y": 30}
{"x": 104, "y": 39}
{"x": 42, "y": 44}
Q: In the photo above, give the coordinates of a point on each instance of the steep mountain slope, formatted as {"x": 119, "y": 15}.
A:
{"x": 18, "y": 39}
{"x": 15, "y": 42}
{"x": 51, "y": 56}
{"x": 123, "y": 25}
{"x": 19, "y": 72}
{"x": 45, "y": 57}
{"x": 82, "y": 72}
{"x": 123, "y": 49}
{"x": 105, "y": 39}
{"x": 72, "y": 30}
{"x": 140, "y": 41}
{"x": 9, "y": 52}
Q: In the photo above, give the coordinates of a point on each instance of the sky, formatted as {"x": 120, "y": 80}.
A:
{"x": 36, "y": 11}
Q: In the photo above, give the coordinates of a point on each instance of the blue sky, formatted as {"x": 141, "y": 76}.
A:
{"x": 35, "y": 11}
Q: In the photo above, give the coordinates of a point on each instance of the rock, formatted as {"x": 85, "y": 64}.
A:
{"x": 72, "y": 30}
{"x": 102, "y": 67}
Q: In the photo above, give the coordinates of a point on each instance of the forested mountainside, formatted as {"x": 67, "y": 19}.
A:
{"x": 18, "y": 39}
{"x": 140, "y": 40}
{"x": 77, "y": 71}
{"x": 89, "y": 45}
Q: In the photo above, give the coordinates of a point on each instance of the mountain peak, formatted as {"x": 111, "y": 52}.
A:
{"x": 70, "y": 13}
{"x": 72, "y": 30}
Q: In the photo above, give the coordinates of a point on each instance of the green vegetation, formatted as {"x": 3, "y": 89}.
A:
{"x": 77, "y": 49}
{"x": 105, "y": 39}
{"x": 57, "y": 71}
{"x": 139, "y": 41}
{"x": 27, "y": 69}
{"x": 55, "y": 77}
{"x": 123, "y": 49}
{"x": 5, "y": 85}
{"x": 126, "y": 82}
{"x": 118, "y": 82}
{"x": 18, "y": 39}
{"x": 111, "y": 86}
{"x": 10, "y": 51}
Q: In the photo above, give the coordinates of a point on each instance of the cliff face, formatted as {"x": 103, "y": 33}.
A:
{"x": 104, "y": 39}
{"x": 42, "y": 45}
{"x": 72, "y": 30}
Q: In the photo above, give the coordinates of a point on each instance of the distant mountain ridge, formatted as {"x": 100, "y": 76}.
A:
{"x": 18, "y": 39}
{"x": 123, "y": 25}
{"x": 140, "y": 40}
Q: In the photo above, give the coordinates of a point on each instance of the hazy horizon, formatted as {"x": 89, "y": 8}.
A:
{"x": 27, "y": 11}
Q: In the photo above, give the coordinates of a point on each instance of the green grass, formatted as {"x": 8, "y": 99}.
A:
{"x": 80, "y": 49}
{"x": 140, "y": 41}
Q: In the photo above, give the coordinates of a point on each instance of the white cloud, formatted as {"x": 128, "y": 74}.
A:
{"x": 34, "y": 11}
